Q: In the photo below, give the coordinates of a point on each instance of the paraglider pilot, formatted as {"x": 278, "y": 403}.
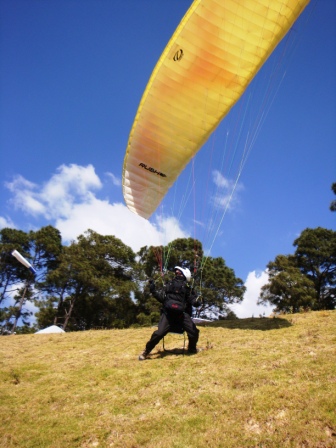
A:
{"x": 177, "y": 299}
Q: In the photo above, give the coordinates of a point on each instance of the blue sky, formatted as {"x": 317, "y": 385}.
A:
{"x": 73, "y": 73}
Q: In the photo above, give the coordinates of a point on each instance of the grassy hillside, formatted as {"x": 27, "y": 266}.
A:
{"x": 258, "y": 383}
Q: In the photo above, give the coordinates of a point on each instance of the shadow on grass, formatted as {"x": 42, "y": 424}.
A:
{"x": 171, "y": 352}
{"x": 252, "y": 323}
{"x": 175, "y": 352}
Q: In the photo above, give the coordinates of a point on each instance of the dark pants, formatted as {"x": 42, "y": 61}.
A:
{"x": 167, "y": 324}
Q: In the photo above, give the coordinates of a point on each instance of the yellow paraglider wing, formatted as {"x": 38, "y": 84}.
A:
{"x": 215, "y": 52}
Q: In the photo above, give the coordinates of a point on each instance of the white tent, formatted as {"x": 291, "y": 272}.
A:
{"x": 52, "y": 329}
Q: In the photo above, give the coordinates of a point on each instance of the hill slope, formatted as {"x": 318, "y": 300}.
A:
{"x": 258, "y": 383}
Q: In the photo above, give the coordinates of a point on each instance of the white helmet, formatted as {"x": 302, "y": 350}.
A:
{"x": 185, "y": 272}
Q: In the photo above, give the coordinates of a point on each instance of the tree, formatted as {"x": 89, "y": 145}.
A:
{"x": 41, "y": 248}
{"x": 307, "y": 278}
{"x": 11, "y": 271}
{"x": 184, "y": 252}
{"x": 333, "y": 203}
{"x": 287, "y": 288}
{"x": 157, "y": 260}
{"x": 316, "y": 258}
{"x": 46, "y": 246}
{"x": 219, "y": 287}
{"x": 215, "y": 281}
{"x": 15, "y": 279}
{"x": 92, "y": 284}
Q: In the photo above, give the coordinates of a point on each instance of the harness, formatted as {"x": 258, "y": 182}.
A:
{"x": 175, "y": 297}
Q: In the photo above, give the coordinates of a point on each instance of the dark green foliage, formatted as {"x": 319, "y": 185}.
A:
{"x": 305, "y": 280}
{"x": 98, "y": 281}
{"x": 218, "y": 287}
{"x": 12, "y": 274}
{"x": 316, "y": 258}
{"x": 11, "y": 271}
{"x": 47, "y": 248}
{"x": 185, "y": 252}
{"x": 333, "y": 203}
{"x": 216, "y": 284}
{"x": 288, "y": 288}
{"x": 40, "y": 248}
{"x": 92, "y": 285}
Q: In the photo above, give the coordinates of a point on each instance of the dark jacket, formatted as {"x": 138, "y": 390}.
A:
{"x": 176, "y": 290}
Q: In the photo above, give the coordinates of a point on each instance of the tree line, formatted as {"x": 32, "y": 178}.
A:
{"x": 99, "y": 282}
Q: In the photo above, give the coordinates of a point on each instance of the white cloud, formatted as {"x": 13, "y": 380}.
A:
{"x": 117, "y": 220}
{"x": 69, "y": 200}
{"x": 57, "y": 196}
{"x": 226, "y": 195}
{"x": 6, "y": 222}
{"x": 220, "y": 180}
{"x": 248, "y": 307}
{"x": 115, "y": 180}
{"x": 24, "y": 196}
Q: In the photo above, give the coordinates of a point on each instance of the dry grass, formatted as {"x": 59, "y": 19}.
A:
{"x": 259, "y": 383}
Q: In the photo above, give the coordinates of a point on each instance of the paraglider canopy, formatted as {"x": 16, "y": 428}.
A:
{"x": 214, "y": 54}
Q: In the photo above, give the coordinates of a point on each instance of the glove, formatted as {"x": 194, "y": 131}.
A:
{"x": 151, "y": 285}
{"x": 198, "y": 301}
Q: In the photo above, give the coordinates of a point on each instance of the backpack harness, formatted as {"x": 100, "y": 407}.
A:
{"x": 175, "y": 297}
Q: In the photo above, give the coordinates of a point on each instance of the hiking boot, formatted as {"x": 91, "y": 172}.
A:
{"x": 143, "y": 355}
{"x": 193, "y": 351}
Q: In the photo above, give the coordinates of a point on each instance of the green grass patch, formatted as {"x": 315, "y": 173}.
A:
{"x": 258, "y": 383}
